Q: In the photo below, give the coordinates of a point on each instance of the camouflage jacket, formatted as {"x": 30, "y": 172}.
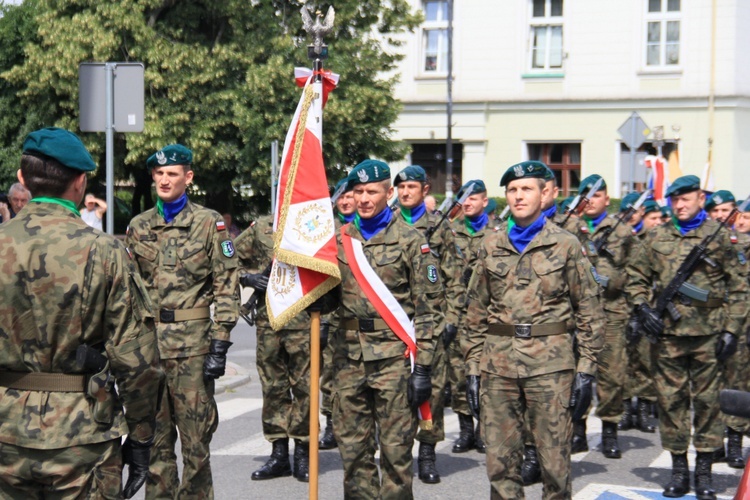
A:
{"x": 551, "y": 282}
{"x": 468, "y": 245}
{"x": 443, "y": 244}
{"x": 570, "y": 226}
{"x": 186, "y": 264}
{"x": 621, "y": 244}
{"x": 656, "y": 262}
{"x": 255, "y": 250}
{"x": 396, "y": 256}
{"x": 64, "y": 284}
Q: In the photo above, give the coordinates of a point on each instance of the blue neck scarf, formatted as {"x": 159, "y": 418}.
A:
{"x": 550, "y": 212}
{"x": 522, "y": 236}
{"x": 476, "y": 224}
{"x": 169, "y": 210}
{"x": 594, "y": 223}
{"x": 637, "y": 228}
{"x": 345, "y": 219}
{"x": 412, "y": 215}
{"x": 371, "y": 227}
{"x": 694, "y": 223}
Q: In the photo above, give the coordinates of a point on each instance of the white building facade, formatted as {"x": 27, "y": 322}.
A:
{"x": 555, "y": 79}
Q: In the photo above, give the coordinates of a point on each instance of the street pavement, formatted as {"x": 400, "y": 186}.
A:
{"x": 238, "y": 448}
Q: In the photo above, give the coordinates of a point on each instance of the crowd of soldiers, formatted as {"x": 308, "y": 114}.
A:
{"x": 515, "y": 322}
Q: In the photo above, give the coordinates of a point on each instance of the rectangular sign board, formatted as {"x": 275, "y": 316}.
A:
{"x": 128, "y": 90}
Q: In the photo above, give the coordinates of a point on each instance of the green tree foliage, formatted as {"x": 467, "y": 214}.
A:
{"x": 219, "y": 79}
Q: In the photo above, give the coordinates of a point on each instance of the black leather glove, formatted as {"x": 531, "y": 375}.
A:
{"x": 633, "y": 330}
{"x": 324, "y": 327}
{"x": 726, "y": 346}
{"x": 580, "y": 396}
{"x": 449, "y": 335}
{"x": 326, "y": 304}
{"x": 472, "y": 394}
{"x": 136, "y": 456}
{"x": 419, "y": 386}
{"x": 216, "y": 360}
{"x": 651, "y": 323}
{"x": 257, "y": 281}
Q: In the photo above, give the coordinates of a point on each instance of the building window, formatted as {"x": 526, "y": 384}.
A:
{"x": 565, "y": 161}
{"x": 431, "y": 157}
{"x": 663, "y": 33}
{"x": 435, "y": 37}
{"x": 546, "y": 35}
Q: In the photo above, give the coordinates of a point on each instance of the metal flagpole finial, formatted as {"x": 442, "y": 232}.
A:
{"x": 317, "y": 29}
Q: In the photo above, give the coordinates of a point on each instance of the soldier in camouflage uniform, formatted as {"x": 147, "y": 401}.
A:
{"x": 67, "y": 287}
{"x": 469, "y": 231}
{"x": 283, "y": 361}
{"x": 373, "y": 385}
{"x": 688, "y": 353}
{"x": 187, "y": 260}
{"x": 411, "y": 184}
{"x": 531, "y": 286}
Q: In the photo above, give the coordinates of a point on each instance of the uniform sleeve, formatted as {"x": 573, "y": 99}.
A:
{"x": 450, "y": 265}
{"x": 244, "y": 245}
{"x": 131, "y": 346}
{"x": 736, "y": 275}
{"x": 426, "y": 290}
{"x": 473, "y": 336}
{"x": 224, "y": 263}
{"x": 589, "y": 315}
{"x": 131, "y": 237}
{"x": 638, "y": 286}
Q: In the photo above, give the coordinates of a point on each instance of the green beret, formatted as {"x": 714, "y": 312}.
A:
{"x": 666, "y": 211}
{"x": 527, "y": 170}
{"x": 683, "y": 185}
{"x": 566, "y": 203}
{"x": 411, "y": 173}
{"x": 588, "y": 183}
{"x": 739, "y": 204}
{"x": 491, "y": 206}
{"x": 651, "y": 206}
{"x": 478, "y": 188}
{"x": 343, "y": 181}
{"x": 719, "y": 197}
{"x": 369, "y": 171}
{"x": 60, "y": 145}
{"x": 629, "y": 200}
{"x": 174, "y": 154}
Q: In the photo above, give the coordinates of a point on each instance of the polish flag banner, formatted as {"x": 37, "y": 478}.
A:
{"x": 659, "y": 180}
{"x": 305, "y": 266}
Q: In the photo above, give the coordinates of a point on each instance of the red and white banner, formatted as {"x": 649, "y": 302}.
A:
{"x": 659, "y": 180}
{"x": 305, "y": 266}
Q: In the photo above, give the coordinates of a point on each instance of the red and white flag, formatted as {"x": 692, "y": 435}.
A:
{"x": 659, "y": 178}
{"x": 305, "y": 266}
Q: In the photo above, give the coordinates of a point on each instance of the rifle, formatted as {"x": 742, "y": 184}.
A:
{"x": 679, "y": 284}
{"x": 579, "y": 203}
{"x": 600, "y": 243}
{"x": 395, "y": 204}
{"x": 443, "y": 208}
{"x": 467, "y": 192}
{"x": 248, "y": 309}
{"x": 504, "y": 213}
{"x": 336, "y": 195}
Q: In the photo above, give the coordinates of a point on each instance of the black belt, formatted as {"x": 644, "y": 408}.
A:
{"x": 364, "y": 325}
{"x": 526, "y": 330}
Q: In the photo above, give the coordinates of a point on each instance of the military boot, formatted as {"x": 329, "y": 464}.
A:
{"x": 447, "y": 396}
{"x": 610, "y": 446}
{"x": 626, "y": 421}
{"x": 679, "y": 486}
{"x": 465, "y": 441}
{"x": 301, "y": 461}
{"x": 479, "y": 442}
{"x": 579, "y": 444}
{"x": 643, "y": 420}
{"x": 734, "y": 449}
{"x": 328, "y": 441}
{"x": 704, "y": 490}
{"x": 426, "y": 460}
{"x": 531, "y": 472}
{"x": 277, "y": 465}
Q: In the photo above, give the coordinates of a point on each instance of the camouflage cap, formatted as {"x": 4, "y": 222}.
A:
{"x": 683, "y": 185}
{"x": 589, "y": 182}
{"x": 651, "y": 206}
{"x": 369, "y": 171}
{"x": 345, "y": 180}
{"x": 479, "y": 187}
{"x": 411, "y": 173}
{"x": 628, "y": 200}
{"x": 527, "y": 169}
{"x": 719, "y": 197}
{"x": 60, "y": 145}
{"x": 174, "y": 154}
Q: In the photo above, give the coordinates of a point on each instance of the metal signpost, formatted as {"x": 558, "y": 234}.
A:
{"x": 633, "y": 133}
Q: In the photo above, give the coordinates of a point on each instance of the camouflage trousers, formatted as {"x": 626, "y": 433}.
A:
{"x": 89, "y": 471}
{"x": 736, "y": 375}
{"x": 506, "y": 404}
{"x": 366, "y": 395}
{"x": 283, "y": 360}
{"x": 326, "y": 378}
{"x": 438, "y": 379}
{"x": 456, "y": 377}
{"x": 640, "y": 376}
{"x": 686, "y": 371}
{"x": 187, "y": 406}
{"x": 611, "y": 370}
